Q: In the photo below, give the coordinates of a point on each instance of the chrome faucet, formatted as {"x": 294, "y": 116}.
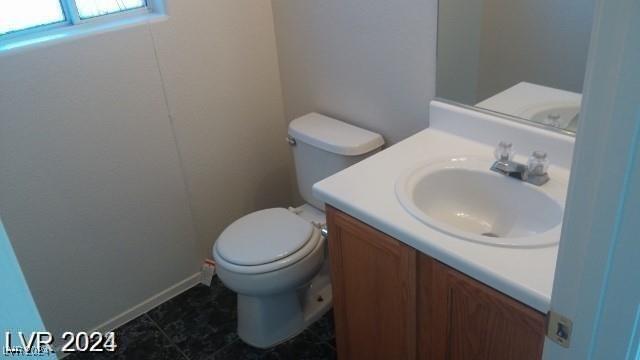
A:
{"x": 535, "y": 172}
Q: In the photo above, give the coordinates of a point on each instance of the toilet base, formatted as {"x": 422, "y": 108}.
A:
{"x": 265, "y": 321}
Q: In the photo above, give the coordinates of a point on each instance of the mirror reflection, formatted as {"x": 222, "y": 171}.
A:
{"x": 524, "y": 58}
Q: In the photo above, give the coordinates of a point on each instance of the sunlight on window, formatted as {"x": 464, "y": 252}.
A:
{"x": 92, "y": 8}
{"x": 25, "y": 14}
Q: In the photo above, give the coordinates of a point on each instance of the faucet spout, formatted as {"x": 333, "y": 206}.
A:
{"x": 535, "y": 172}
{"x": 511, "y": 168}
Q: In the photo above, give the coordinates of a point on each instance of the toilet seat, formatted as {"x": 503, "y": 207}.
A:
{"x": 264, "y": 241}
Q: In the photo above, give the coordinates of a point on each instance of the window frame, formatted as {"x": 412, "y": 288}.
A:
{"x": 73, "y": 21}
{"x": 73, "y": 15}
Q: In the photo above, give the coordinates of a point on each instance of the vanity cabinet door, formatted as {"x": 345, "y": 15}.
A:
{"x": 461, "y": 318}
{"x": 374, "y": 295}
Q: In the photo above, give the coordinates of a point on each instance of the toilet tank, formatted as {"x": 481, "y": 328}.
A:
{"x": 322, "y": 146}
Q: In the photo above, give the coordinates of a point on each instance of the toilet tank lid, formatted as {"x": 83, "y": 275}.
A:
{"x": 334, "y": 135}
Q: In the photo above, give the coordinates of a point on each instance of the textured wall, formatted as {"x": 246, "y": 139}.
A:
{"x": 123, "y": 154}
{"x": 488, "y": 46}
{"x": 369, "y": 62}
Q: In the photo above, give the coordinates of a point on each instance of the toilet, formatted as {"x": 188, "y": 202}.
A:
{"x": 276, "y": 259}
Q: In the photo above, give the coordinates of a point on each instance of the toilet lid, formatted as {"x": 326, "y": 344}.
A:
{"x": 263, "y": 236}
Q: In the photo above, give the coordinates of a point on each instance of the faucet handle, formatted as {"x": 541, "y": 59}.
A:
{"x": 538, "y": 163}
{"x": 504, "y": 151}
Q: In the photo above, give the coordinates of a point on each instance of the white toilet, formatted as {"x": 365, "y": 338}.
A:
{"x": 276, "y": 259}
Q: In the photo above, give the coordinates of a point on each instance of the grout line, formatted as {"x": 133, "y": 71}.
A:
{"x": 167, "y": 336}
{"x": 224, "y": 347}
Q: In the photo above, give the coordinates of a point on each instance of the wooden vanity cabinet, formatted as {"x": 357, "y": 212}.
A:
{"x": 393, "y": 302}
{"x": 374, "y": 291}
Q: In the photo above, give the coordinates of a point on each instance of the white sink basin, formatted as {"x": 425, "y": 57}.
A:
{"x": 463, "y": 198}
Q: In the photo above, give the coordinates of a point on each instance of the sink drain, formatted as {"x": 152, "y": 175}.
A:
{"x": 490, "y": 234}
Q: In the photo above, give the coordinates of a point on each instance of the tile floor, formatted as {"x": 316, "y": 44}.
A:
{"x": 201, "y": 324}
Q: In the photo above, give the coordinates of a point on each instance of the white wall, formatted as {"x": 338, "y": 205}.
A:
{"x": 220, "y": 65}
{"x": 369, "y": 62}
{"x": 488, "y": 46}
{"x": 459, "y": 35}
{"x": 543, "y": 42}
{"x": 92, "y": 190}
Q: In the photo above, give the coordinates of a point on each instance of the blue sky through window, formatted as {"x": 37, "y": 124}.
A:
{"x": 16, "y": 15}
{"x": 92, "y": 8}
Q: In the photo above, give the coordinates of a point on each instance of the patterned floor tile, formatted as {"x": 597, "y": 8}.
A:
{"x": 324, "y": 329}
{"x": 200, "y": 321}
{"x": 200, "y": 324}
{"x": 306, "y": 346}
{"x": 138, "y": 339}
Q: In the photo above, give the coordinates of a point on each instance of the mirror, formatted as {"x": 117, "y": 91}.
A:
{"x": 523, "y": 58}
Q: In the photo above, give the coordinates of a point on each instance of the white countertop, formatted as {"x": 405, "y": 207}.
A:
{"x": 367, "y": 192}
{"x": 525, "y": 99}
{"x": 522, "y": 96}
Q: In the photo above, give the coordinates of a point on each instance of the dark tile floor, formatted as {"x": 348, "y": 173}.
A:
{"x": 201, "y": 324}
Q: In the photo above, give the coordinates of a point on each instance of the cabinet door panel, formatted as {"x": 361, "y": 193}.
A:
{"x": 373, "y": 290}
{"x": 461, "y": 318}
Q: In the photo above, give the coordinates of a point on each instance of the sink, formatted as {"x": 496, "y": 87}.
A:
{"x": 463, "y": 198}
{"x": 558, "y": 115}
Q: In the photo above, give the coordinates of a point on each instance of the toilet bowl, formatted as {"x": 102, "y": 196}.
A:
{"x": 276, "y": 259}
{"x": 281, "y": 290}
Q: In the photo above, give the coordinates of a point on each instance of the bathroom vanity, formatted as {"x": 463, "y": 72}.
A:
{"x": 435, "y": 256}
{"x": 423, "y": 308}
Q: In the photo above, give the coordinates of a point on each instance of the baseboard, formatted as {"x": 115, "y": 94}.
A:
{"x": 149, "y": 304}
{"x": 144, "y": 306}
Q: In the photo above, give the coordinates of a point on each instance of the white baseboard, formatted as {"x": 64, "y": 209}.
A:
{"x": 145, "y": 306}
{"x": 149, "y": 304}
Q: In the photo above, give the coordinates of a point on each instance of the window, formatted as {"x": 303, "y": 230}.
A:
{"x": 25, "y": 16}
{"x": 92, "y": 8}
